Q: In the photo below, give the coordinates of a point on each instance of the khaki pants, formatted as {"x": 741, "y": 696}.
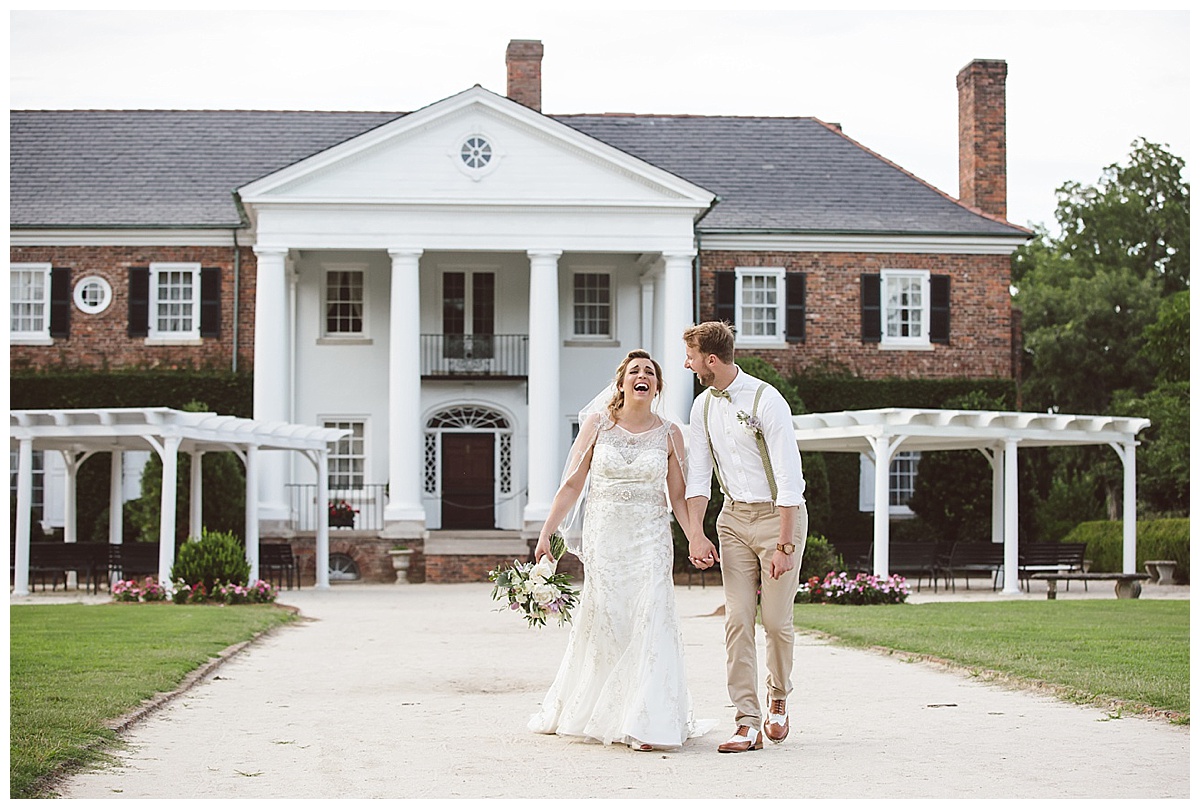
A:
{"x": 748, "y": 533}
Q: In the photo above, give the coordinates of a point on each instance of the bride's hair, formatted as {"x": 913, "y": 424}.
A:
{"x": 618, "y": 399}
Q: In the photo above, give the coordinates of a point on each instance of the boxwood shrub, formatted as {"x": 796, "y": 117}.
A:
{"x": 1156, "y": 539}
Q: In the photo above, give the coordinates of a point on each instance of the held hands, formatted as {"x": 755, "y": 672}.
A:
{"x": 702, "y": 553}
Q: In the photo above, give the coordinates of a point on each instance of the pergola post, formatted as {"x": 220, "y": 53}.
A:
{"x": 24, "y": 516}
{"x": 116, "y": 498}
{"x": 322, "y": 571}
{"x": 252, "y": 510}
{"x": 196, "y": 511}
{"x": 1128, "y": 453}
{"x": 1012, "y": 584}
{"x": 884, "y": 448}
{"x": 166, "y": 526}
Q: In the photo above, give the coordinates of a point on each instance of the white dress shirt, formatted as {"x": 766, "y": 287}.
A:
{"x": 740, "y": 465}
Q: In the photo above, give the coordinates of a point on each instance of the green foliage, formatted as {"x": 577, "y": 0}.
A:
{"x": 1156, "y": 539}
{"x": 230, "y": 394}
{"x": 757, "y": 366}
{"x": 215, "y": 557}
{"x": 1163, "y": 464}
{"x": 1169, "y": 337}
{"x": 820, "y": 558}
{"x": 1072, "y": 497}
{"x": 73, "y": 668}
{"x": 826, "y": 393}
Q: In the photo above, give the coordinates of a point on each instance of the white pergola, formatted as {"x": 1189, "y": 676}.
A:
{"x": 880, "y": 434}
{"x": 79, "y": 434}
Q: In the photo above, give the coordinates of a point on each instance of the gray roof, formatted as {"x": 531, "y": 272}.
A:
{"x": 169, "y": 168}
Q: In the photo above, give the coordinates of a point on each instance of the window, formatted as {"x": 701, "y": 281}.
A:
{"x": 174, "y": 301}
{"x": 767, "y": 306}
{"x": 905, "y": 308}
{"x": 902, "y": 478}
{"x": 476, "y": 152}
{"x": 593, "y": 304}
{"x": 38, "y": 471}
{"x": 347, "y": 459}
{"x": 344, "y": 302}
{"x": 469, "y": 315}
{"x": 29, "y": 302}
{"x": 93, "y": 295}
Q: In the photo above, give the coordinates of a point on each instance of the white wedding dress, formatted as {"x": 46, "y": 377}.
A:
{"x": 622, "y": 676}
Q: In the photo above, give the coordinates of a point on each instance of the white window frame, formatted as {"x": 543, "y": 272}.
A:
{"x": 612, "y": 306}
{"x": 742, "y": 325}
{"x": 80, "y": 295}
{"x": 888, "y": 279}
{"x": 327, "y": 269}
{"x": 39, "y": 336}
{"x": 155, "y": 334}
{"x": 363, "y": 457}
{"x": 866, "y": 483}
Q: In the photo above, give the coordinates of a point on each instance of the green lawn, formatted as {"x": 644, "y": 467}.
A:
{"x": 74, "y": 667}
{"x": 1131, "y": 650}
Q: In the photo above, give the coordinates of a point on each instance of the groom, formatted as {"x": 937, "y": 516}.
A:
{"x": 741, "y": 428}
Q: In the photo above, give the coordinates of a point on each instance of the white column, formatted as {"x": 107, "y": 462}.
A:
{"x": 677, "y": 316}
{"x": 545, "y": 392}
{"x": 884, "y": 448}
{"x": 1011, "y": 553}
{"x": 272, "y": 359}
{"x": 116, "y": 498}
{"x": 322, "y": 559}
{"x": 70, "y": 500}
{"x": 995, "y": 457}
{"x": 196, "y": 511}
{"x": 24, "y": 516}
{"x": 406, "y": 457}
{"x": 166, "y": 525}
{"x": 649, "y": 335}
{"x": 253, "y": 468}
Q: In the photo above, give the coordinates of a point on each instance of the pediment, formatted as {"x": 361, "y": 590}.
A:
{"x": 475, "y": 148}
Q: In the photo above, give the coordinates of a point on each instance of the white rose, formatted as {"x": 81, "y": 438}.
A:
{"x": 545, "y": 594}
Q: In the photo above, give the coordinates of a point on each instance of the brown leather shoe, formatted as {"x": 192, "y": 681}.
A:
{"x": 777, "y": 725}
{"x": 744, "y": 738}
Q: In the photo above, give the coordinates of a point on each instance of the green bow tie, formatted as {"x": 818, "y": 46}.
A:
{"x": 723, "y": 394}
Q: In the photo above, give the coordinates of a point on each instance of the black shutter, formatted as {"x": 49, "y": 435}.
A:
{"x": 797, "y": 306}
{"x": 871, "y": 322}
{"x": 939, "y": 309}
{"x": 60, "y": 302}
{"x": 210, "y": 302}
{"x": 726, "y": 289}
{"x": 139, "y": 301}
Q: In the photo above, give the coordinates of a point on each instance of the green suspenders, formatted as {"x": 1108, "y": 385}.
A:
{"x": 759, "y": 438}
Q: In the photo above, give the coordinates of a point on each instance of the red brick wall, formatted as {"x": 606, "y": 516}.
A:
{"x": 980, "y": 313}
{"x": 102, "y": 340}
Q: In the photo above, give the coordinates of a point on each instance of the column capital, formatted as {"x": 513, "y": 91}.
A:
{"x": 679, "y": 255}
{"x": 266, "y": 251}
{"x": 405, "y": 252}
{"x": 544, "y": 254}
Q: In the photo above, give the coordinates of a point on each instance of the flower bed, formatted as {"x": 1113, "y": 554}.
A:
{"x": 838, "y": 588}
{"x": 130, "y": 591}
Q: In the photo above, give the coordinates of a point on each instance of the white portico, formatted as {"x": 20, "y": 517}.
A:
{"x": 454, "y": 232}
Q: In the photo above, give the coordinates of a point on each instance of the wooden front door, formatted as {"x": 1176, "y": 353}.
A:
{"x": 468, "y": 480}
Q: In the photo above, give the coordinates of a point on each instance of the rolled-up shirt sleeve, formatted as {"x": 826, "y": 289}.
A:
{"x": 780, "y": 436}
{"x": 700, "y": 467}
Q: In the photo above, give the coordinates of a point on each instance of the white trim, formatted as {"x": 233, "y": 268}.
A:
{"x": 777, "y": 340}
{"x": 174, "y": 337}
{"x": 835, "y": 243}
{"x": 134, "y": 237}
{"x": 40, "y": 336}
{"x": 496, "y": 155}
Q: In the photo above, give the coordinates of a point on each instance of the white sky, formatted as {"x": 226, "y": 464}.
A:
{"x": 1082, "y": 85}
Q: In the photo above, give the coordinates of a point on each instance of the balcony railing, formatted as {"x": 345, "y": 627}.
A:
{"x": 365, "y": 507}
{"x": 479, "y": 355}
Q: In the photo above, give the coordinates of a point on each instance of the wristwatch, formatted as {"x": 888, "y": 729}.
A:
{"x": 787, "y": 548}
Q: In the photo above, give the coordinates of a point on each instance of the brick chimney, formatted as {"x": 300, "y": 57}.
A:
{"x": 524, "y": 60}
{"x": 982, "y": 161}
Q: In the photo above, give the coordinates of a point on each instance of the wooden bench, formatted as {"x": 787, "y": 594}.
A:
{"x": 1050, "y": 557}
{"x": 277, "y": 564}
{"x": 856, "y": 556}
{"x": 975, "y": 557}
{"x": 1129, "y": 585}
{"x": 53, "y": 560}
{"x": 132, "y": 560}
{"x": 920, "y": 558}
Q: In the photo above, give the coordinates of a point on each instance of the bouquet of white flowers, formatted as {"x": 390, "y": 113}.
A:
{"x": 535, "y": 589}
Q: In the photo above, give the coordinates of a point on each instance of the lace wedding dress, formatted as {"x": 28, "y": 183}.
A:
{"x": 622, "y": 676}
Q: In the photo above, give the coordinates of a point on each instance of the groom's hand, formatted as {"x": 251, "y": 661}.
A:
{"x": 781, "y": 563}
{"x": 702, "y": 553}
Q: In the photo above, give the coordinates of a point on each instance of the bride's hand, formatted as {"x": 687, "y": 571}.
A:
{"x": 543, "y": 549}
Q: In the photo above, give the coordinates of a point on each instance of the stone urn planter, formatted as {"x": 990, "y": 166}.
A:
{"x": 401, "y": 559}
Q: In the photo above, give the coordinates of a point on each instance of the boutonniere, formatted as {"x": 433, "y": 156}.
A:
{"x": 751, "y": 423}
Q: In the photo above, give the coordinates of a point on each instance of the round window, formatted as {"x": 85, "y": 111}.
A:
{"x": 93, "y": 294}
{"x": 476, "y": 152}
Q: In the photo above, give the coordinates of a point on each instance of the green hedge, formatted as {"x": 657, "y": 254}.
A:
{"x": 823, "y": 393}
{"x": 225, "y": 392}
{"x": 1156, "y": 539}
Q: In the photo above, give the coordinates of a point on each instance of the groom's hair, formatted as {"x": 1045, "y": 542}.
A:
{"x": 711, "y": 337}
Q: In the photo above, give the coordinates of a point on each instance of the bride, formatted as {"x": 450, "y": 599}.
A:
{"x": 622, "y": 676}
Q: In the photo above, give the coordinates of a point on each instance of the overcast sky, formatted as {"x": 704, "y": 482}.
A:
{"x": 1082, "y": 85}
